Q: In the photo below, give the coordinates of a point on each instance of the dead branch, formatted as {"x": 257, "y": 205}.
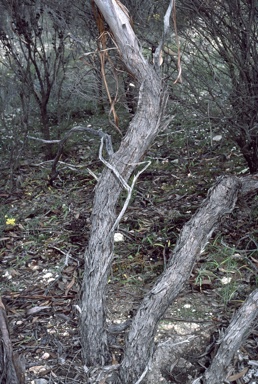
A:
{"x": 158, "y": 52}
{"x": 106, "y": 139}
{"x": 127, "y": 187}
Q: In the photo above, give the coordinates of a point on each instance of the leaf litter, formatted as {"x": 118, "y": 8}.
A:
{"x": 44, "y": 231}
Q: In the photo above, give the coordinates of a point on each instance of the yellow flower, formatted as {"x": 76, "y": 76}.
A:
{"x": 10, "y": 221}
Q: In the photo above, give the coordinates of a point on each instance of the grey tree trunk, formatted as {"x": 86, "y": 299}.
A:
{"x": 141, "y": 133}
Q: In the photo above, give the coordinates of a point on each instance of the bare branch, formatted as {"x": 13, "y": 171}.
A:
{"x": 80, "y": 128}
{"x": 221, "y": 199}
{"x": 43, "y": 141}
{"x": 157, "y": 53}
{"x": 123, "y": 182}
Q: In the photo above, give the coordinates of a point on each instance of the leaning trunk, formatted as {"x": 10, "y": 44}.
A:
{"x": 141, "y": 132}
{"x": 99, "y": 254}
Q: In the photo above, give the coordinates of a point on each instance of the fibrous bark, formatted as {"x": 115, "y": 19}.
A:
{"x": 141, "y": 132}
{"x": 239, "y": 328}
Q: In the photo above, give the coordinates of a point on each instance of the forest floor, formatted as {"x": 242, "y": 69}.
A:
{"x": 43, "y": 235}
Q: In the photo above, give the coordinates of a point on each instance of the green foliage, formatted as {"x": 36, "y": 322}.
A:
{"x": 224, "y": 269}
